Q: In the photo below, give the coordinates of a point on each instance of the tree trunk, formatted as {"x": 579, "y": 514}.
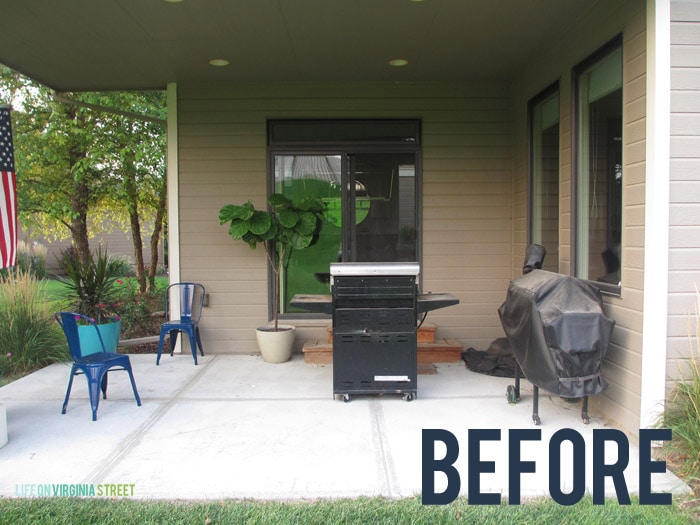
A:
{"x": 78, "y": 224}
{"x": 157, "y": 230}
{"x": 80, "y": 199}
{"x": 132, "y": 196}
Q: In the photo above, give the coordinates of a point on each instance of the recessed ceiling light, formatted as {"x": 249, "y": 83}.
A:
{"x": 218, "y": 62}
{"x": 398, "y": 62}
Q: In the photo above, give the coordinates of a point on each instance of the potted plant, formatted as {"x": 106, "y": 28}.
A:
{"x": 288, "y": 226}
{"x": 91, "y": 290}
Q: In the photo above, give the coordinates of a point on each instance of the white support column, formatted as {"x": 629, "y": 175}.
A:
{"x": 656, "y": 216}
{"x": 173, "y": 178}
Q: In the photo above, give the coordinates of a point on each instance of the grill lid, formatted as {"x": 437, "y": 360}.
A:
{"x": 365, "y": 269}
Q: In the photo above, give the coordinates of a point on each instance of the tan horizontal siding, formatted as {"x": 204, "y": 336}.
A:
{"x": 467, "y": 172}
{"x": 684, "y": 216}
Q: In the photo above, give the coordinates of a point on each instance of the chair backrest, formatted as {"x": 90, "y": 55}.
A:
{"x": 191, "y": 301}
{"x": 69, "y": 323}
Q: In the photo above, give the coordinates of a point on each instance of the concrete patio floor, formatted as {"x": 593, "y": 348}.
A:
{"x": 236, "y": 427}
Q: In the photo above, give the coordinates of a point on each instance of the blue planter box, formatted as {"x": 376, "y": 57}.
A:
{"x": 90, "y": 342}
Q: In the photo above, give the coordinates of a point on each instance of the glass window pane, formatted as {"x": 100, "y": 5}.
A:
{"x": 315, "y": 132}
{"x": 298, "y": 176}
{"x": 385, "y": 204}
{"x": 366, "y": 172}
{"x": 544, "y": 190}
{"x": 599, "y": 170}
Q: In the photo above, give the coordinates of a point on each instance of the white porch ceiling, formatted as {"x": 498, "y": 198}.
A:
{"x": 141, "y": 44}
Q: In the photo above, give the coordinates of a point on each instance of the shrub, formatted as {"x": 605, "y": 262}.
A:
{"x": 29, "y": 259}
{"x": 90, "y": 285}
{"x": 141, "y": 313}
{"x": 682, "y": 411}
{"x": 29, "y": 336}
{"x": 121, "y": 265}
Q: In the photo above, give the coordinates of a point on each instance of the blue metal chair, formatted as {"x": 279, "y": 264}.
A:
{"x": 95, "y": 365}
{"x": 191, "y": 303}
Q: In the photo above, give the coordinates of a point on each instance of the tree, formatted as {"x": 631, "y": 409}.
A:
{"x": 83, "y": 155}
{"x": 134, "y": 153}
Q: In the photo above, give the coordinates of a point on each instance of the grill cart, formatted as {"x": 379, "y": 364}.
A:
{"x": 375, "y": 308}
{"x": 559, "y": 336}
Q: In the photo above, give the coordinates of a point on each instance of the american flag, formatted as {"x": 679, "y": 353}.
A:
{"x": 8, "y": 193}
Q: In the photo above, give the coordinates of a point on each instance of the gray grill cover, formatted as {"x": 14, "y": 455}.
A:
{"x": 559, "y": 335}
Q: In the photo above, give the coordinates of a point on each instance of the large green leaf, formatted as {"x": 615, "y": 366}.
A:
{"x": 251, "y": 239}
{"x": 307, "y": 223}
{"x": 260, "y": 222}
{"x": 277, "y": 199}
{"x": 238, "y": 228}
{"x": 288, "y": 218}
{"x": 299, "y": 241}
{"x": 271, "y": 232}
{"x": 311, "y": 203}
{"x": 232, "y": 211}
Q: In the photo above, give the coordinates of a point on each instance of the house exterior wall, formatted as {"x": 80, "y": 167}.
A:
{"x": 467, "y": 215}
{"x": 475, "y": 190}
{"x": 622, "y": 368}
{"x": 684, "y": 220}
{"x": 117, "y": 244}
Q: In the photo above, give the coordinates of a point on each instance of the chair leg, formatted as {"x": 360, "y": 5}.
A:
{"x": 193, "y": 346}
{"x": 173, "y": 340}
{"x": 133, "y": 384}
{"x": 199, "y": 341}
{"x": 161, "y": 340}
{"x": 104, "y": 385}
{"x": 70, "y": 385}
{"x": 94, "y": 385}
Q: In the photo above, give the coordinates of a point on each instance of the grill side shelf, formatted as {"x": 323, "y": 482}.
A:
{"x": 322, "y": 304}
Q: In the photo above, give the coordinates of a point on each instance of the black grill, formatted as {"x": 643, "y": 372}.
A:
{"x": 375, "y": 309}
{"x": 559, "y": 335}
{"x": 374, "y": 329}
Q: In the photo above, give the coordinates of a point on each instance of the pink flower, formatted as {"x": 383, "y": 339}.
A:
{"x": 8, "y": 355}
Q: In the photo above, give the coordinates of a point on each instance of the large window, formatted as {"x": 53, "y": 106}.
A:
{"x": 598, "y": 212}
{"x": 367, "y": 173}
{"x": 544, "y": 174}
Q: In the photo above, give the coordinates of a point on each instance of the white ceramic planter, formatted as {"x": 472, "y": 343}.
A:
{"x": 276, "y": 347}
{"x": 3, "y": 426}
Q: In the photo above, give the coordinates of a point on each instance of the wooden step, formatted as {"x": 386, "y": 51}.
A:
{"x": 317, "y": 352}
{"x": 442, "y": 351}
{"x": 425, "y": 334}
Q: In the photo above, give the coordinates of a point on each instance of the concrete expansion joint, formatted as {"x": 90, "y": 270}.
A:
{"x": 386, "y": 470}
{"x": 125, "y": 446}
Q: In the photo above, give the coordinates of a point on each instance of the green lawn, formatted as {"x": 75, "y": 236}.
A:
{"x": 361, "y": 510}
{"x": 55, "y": 287}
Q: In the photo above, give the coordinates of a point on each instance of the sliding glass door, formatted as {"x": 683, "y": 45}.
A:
{"x": 370, "y": 216}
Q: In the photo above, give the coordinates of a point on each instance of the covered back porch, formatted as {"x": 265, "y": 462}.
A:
{"x": 467, "y": 74}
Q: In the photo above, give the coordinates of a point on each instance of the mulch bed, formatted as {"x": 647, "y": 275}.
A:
{"x": 146, "y": 348}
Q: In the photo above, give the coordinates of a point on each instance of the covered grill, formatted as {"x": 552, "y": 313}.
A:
{"x": 559, "y": 335}
{"x": 375, "y": 309}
